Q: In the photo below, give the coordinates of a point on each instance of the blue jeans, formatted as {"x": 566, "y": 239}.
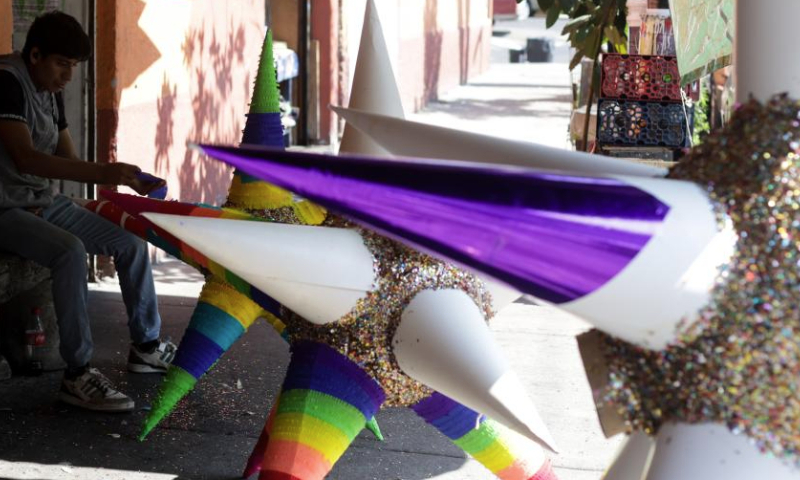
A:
{"x": 59, "y": 240}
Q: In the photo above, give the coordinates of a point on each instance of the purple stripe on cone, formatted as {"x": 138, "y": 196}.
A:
{"x": 557, "y": 237}
{"x": 263, "y": 129}
{"x": 314, "y": 365}
{"x": 448, "y": 416}
{"x": 197, "y": 353}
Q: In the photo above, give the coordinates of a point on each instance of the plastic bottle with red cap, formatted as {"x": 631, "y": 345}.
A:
{"x": 34, "y": 339}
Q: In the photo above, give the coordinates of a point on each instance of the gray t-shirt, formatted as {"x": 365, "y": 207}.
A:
{"x": 41, "y": 115}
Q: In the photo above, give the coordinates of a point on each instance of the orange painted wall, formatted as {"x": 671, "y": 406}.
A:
{"x": 6, "y": 26}
{"x": 176, "y": 72}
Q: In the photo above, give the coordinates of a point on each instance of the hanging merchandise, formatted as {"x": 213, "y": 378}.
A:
{"x": 634, "y": 77}
{"x": 655, "y": 37}
{"x": 652, "y": 124}
{"x": 636, "y": 10}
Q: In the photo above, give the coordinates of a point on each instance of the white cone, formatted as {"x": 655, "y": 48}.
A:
{"x": 709, "y": 450}
{"x": 502, "y": 295}
{"x": 317, "y": 272}
{"x": 633, "y": 459}
{"x": 374, "y": 86}
{"x": 671, "y": 278}
{"x": 444, "y": 342}
{"x": 412, "y": 139}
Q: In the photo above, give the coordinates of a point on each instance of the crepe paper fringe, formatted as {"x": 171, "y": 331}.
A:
{"x": 266, "y": 98}
{"x": 245, "y": 178}
{"x": 372, "y": 426}
{"x": 221, "y": 317}
{"x": 116, "y": 215}
{"x": 136, "y": 205}
{"x": 216, "y": 325}
{"x": 324, "y": 403}
{"x": 545, "y": 473}
{"x": 115, "y": 212}
{"x": 177, "y": 383}
{"x": 498, "y": 449}
{"x": 197, "y": 353}
{"x": 260, "y": 195}
{"x": 263, "y": 129}
{"x": 257, "y": 455}
{"x": 317, "y": 365}
{"x": 224, "y": 297}
{"x": 139, "y": 227}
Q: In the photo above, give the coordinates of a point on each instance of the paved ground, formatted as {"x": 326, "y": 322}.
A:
{"x": 213, "y": 431}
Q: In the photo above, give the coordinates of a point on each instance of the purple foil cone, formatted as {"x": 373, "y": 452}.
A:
{"x": 557, "y": 237}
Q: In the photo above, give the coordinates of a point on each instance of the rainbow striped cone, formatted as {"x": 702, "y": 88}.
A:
{"x": 125, "y": 211}
{"x": 128, "y": 211}
{"x": 324, "y": 403}
{"x": 503, "y": 452}
{"x": 257, "y": 455}
{"x": 374, "y": 428}
{"x": 222, "y": 315}
{"x": 263, "y": 127}
{"x": 139, "y": 227}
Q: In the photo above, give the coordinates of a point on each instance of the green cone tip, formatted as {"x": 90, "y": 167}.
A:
{"x": 177, "y": 383}
{"x": 372, "y": 426}
{"x": 266, "y": 98}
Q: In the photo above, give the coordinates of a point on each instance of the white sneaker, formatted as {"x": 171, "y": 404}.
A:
{"x": 94, "y": 391}
{"x": 156, "y": 361}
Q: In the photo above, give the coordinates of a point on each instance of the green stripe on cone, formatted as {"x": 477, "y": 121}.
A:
{"x": 177, "y": 383}
{"x": 266, "y": 98}
{"x": 372, "y": 426}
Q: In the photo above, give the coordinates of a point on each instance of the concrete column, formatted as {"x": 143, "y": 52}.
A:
{"x": 325, "y": 28}
{"x": 6, "y": 26}
{"x": 766, "y": 58}
{"x": 107, "y": 92}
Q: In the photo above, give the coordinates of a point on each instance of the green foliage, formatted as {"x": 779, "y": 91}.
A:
{"x": 702, "y": 111}
{"x": 591, "y": 23}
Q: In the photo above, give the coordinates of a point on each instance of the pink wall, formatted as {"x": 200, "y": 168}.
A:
{"x": 181, "y": 71}
{"x": 434, "y": 45}
{"x": 172, "y": 72}
{"x": 446, "y": 43}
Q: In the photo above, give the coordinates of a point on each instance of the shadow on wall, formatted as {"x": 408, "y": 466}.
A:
{"x": 145, "y": 53}
{"x": 214, "y": 118}
{"x": 164, "y": 137}
{"x": 432, "y": 51}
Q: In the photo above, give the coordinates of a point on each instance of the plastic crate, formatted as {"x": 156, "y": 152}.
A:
{"x": 640, "y": 77}
{"x": 621, "y": 122}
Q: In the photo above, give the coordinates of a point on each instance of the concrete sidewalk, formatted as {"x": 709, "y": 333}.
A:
{"x": 212, "y": 432}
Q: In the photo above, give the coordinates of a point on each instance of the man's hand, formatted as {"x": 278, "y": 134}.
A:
{"x": 145, "y": 184}
{"x": 119, "y": 173}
